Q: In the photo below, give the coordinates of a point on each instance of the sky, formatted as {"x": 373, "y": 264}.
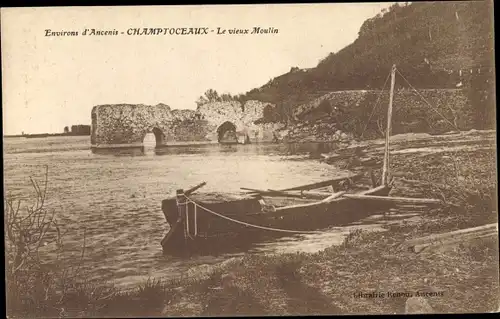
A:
{"x": 49, "y": 82}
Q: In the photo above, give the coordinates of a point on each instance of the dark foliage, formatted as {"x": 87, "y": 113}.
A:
{"x": 481, "y": 94}
{"x": 435, "y": 44}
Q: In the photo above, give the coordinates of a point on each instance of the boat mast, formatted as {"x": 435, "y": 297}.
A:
{"x": 385, "y": 170}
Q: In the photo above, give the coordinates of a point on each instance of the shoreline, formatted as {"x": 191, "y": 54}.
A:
{"x": 327, "y": 282}
{"x": 44, "y": 135}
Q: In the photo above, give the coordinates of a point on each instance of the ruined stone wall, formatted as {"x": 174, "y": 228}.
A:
{"x": 216, "y": 113}
{"x": 441, "y": 98}
{"x": 349, "y": 111}
{"x": 253, "y": 111}
{"x": 127, "y": 124}
{"x": 242, "y": 116}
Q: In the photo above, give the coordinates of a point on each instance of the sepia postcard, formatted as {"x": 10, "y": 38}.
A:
{"x": 250, "y": 160}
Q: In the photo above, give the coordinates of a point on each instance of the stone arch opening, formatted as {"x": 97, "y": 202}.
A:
{"x": 226, "y": 133}
{"x": 154, "y": 137}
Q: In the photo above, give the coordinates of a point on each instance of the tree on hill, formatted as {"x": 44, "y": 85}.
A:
{"x": 428, "y": 41}
{"x": 212, "y": 95}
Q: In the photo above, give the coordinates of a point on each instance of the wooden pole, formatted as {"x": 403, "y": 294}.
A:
{"x": 333, "y": 196}
{"x": 271, "y": 192}
{"x": 385, "y": 169}
{"x": 195, "y": 188}
{"x": 480, "y": 230}
{"x": 333, "y": 181}
{"x": 308, "y": 205}
{"x": 405, "y": 200}
{"x": 195, "y": 221}
{"x": 181, "y": 209}
{"x": 373, "y": 179}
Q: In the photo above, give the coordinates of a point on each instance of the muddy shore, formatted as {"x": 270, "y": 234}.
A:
{"x": 344, "y": 279}
{"x": 370, "y": 272}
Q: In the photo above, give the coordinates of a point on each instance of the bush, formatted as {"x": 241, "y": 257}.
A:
{"x": 38, "y": 286}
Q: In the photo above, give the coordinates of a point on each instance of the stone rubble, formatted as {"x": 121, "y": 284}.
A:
{"x": 320, "y": 130}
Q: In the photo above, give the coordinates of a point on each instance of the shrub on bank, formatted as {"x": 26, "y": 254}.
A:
{"x": 39, "y": 286}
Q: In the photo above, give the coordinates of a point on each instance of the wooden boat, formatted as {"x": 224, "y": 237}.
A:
{"x": 209, "y": 222}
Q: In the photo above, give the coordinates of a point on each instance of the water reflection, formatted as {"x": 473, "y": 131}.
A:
{"x": 121, "y": 151}
{"x": 116, "y": 194}
{"x": 313, "y": 150}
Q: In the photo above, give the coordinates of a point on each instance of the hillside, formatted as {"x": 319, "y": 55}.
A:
{"x": 346, "y": 111}
{"x": 434, "y": 44}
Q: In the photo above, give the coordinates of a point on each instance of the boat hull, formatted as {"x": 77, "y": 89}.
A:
{"x": 203, "y": 232}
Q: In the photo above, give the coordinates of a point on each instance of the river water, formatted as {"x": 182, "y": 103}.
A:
{"x": 110, "y": 201}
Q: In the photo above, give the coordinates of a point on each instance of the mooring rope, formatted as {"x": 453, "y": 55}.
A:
{"x": 417, "y": 92}
{"x": 376, "y": 104}
{"x": 427, "y": 102}
{"x": 189, "y": 200}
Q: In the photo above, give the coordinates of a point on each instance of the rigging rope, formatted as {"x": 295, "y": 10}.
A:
{"x": 189, "y": 200}
{"x": 423, "y": 98}
{"x": 376, "y": 104}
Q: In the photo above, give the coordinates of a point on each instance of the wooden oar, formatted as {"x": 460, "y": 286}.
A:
{"x": 303, "y": 194}
{"x": 394, "y": 199}
{"x": 272, "y": 192}
{"x": 294, "y": 194}
{"x": 333, "y": 181}
{"x": 322, "y": 184}
{"x": 308, "y": 205}
{"x": 449, "y": 238}
{"x": 333, "y": 196}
